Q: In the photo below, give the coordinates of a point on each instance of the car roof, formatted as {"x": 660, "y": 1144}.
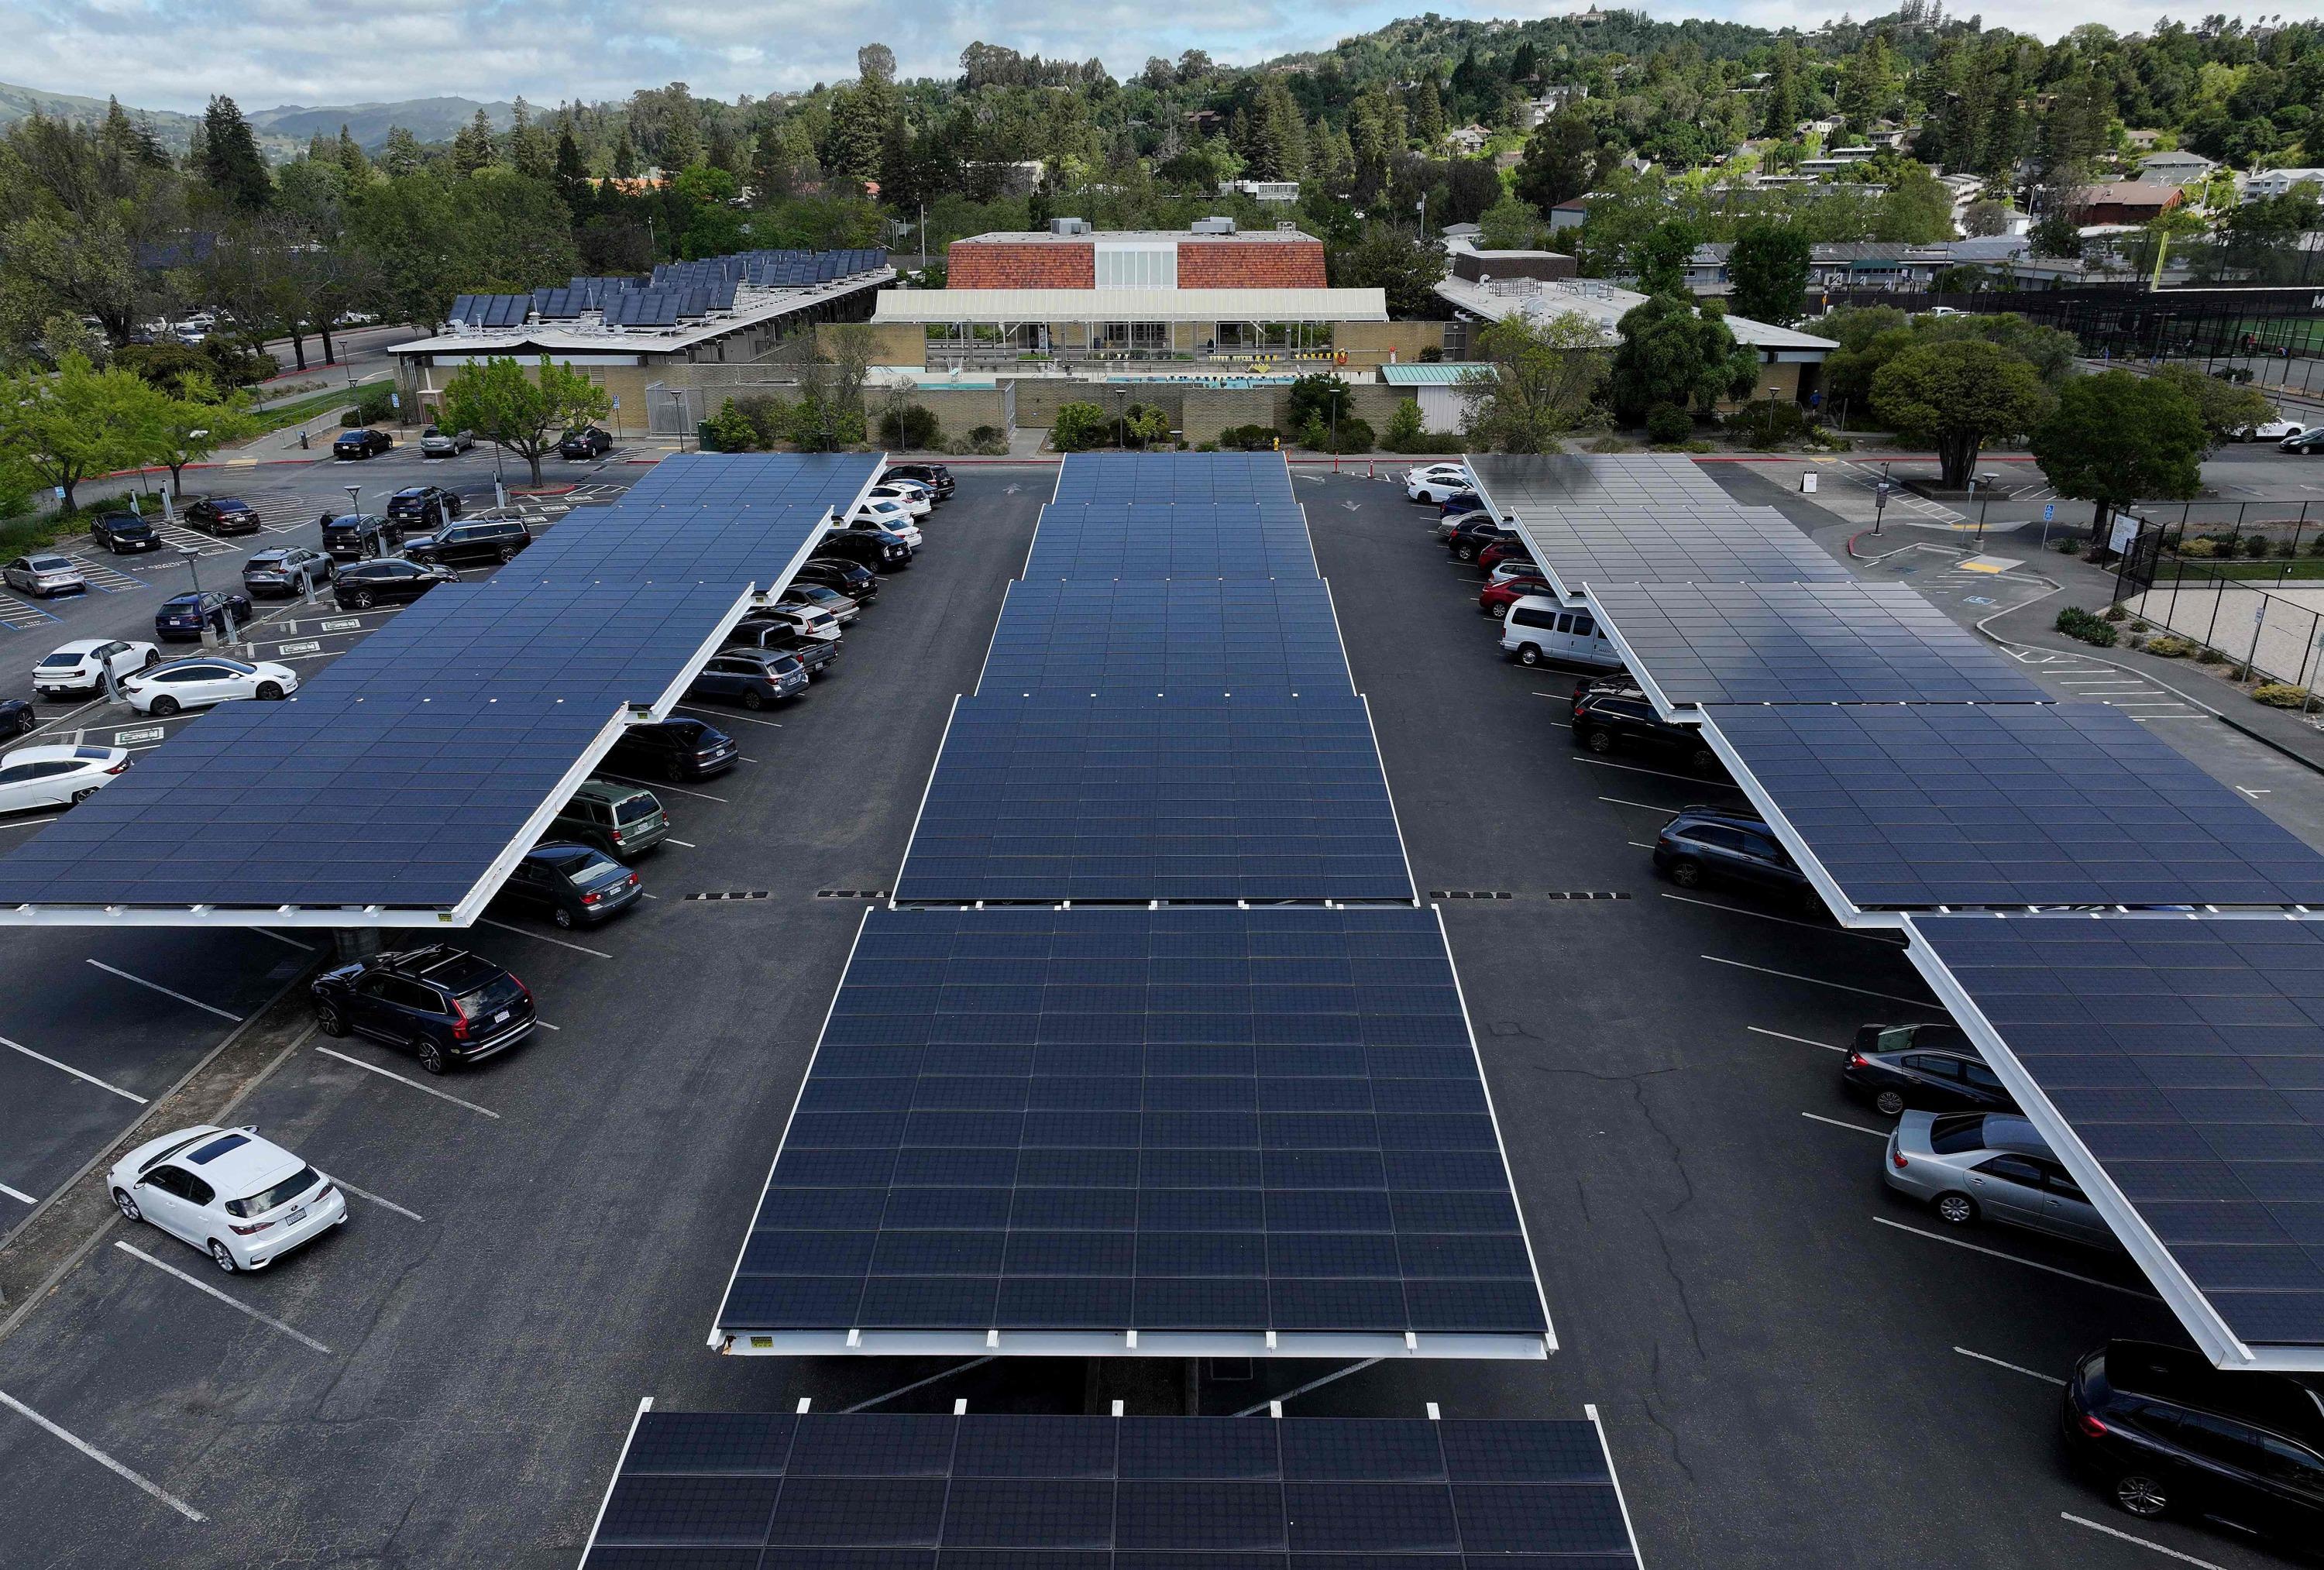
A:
{"x": 606, "y": 790}
{"x": 2007, "y": 1131}
{"x": 84, "y": 644}
{"x": 2175, "y": 1374}
{"x": 237, "y": 1162}
{"x": 559, "y": 852}
{"x": 454, "y": 969}
{"x": 65, "y": 752}
{"x": 273, "y": 555}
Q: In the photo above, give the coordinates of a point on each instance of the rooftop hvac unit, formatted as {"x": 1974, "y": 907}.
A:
{"x": 1214, "y": 225}
{"x": 1069, "y": 225}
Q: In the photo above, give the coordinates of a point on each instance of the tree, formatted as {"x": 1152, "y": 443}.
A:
{"x": 1673, "y": 352}
{"x": 198, "y": 422}
{"x": 1560, "y": 161}
{"x": 472, "y": 148}
{"x": 525, "y": 412}
{"x": 572, "y": 176}
{"x": 2116, "y": 438}
{"x": 1321, "y": 396}
{"x": 1386, "y": 257}
{"x": 402, "y": 155}
{"x": 1917, "y": 210}
{"x": 1783, "y": 94}
{"x": 1954, "y": 395}
{"x": 1076, "y": 428}
{"x": 77, "y": 422}
{"x": 1511, "y": 224}
{"x": 1533, "y": 381}
{"x": 1985, "y": 219}
{"x": 1661, "y": 255}
{"x": 1769, "y": 268}
{"x": 230, "y": 160}
{"x": 2226, "y": 409}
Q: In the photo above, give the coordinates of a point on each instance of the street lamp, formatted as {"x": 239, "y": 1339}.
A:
{"x": 1121, "y": 416}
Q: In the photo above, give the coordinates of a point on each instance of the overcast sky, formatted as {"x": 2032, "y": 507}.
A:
{"x": 171, "y": 54}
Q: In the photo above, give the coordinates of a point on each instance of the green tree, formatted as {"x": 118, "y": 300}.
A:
{"x": 1660, "y": 257}
{"x": 1076, "y": 428}
{"x": 472, "y": 148}
{"x": 1917, "y": 210}
{"x": 1673, "y": 352}
{"x": 1511, "y": 224}
{"x": 230, "y": 160}
{"x": 194, "y": 424}
{"x": 523, "y": 412}
{"x": 402, "y": 155}
{"x": 1866, "y": 83}
{"x": 1783, "y": 94}
{"x": 1561, "y": 159}
{"x": 2116, "y": 438}
{"x": 2226, "y": 409}
{"x": 572, "y": 177}
{"x": 1387, "y": 257}
{"x": 730, "y": 430}
{"x": 1769, "y": 268}
{"x": 1954, "y": 395}
{"x": 77, "y": 422}
{"x": 1533, "y": 380}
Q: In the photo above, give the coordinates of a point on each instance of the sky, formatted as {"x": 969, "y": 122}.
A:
{"x": 171, "y": 54}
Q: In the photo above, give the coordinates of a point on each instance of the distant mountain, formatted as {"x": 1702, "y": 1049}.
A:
{"x": 281, "y": 131}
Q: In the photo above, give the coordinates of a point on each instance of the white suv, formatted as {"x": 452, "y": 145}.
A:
{"x": 243, "y": 1201}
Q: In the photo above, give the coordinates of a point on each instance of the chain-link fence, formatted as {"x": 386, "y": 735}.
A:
{"x": 2249, "y": 592}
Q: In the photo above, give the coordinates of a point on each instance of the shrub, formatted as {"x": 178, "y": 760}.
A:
{"x": 1079, "y": 426}
{"x": 2138, "y": 624}
{"x": 910, "y": 429}
{"x": 2171, "y": 646}
{"x": 1610, "y": 445}
{"x": 1249, "y": 438}
{"x": 771, "y": 418}
{"x": 1765, "y": 422}
{"x": 2256, "y": 547}
{"x": 1206, "y": 447}
{"x": 1405, "y": 430}
{"x": 730, "y": 430}
{"x": 372, "y": 407}
{"x": 1666, "y": 422}
{"x": 2238, "y": 673}
{"x": 2209, "y": 656}
{"x": 2286, "y": 548}
{"x": 2279, "y": 696}
{"x": 988, "y": 441}
{"x": 2136, "y": 641}
{"x": 2198, "y": 549}
{"x": 2076, "y": 622}
{"x": 1354, "y": 435}
{"x": 2114, "y": 612}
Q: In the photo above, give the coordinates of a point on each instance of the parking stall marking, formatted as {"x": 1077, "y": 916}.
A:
{"x": 20, "y": 615}
{"x": 105, "y": 578}
{"x": 1312, "y": 1384}
{"x": 68, "y": 1068}
{"x": 229, "y": 1300}
{"x": 1737, "y": 910}
{"x": 1647, "y": 806}
{"x": 542, "y": 937}
{"x": 157, "y": 986}
{"x": 26, "y": 822}
{"x": 1781, "y": 1036}
{"x": 1842, "y": 1122}
{"x": 367, "y": 1193}
{"x": 1693, "y": 779}
{"x": 625, "y": 779}
{"x": 2141, "y": 1542}
{"x": 2019, "y": 1258}
{"x": 918, "y": 1384}
{"x": 2011, "y": 1367}
{"x": 102, "y": 1459}
{"x": 1837, "y": 986}
{"x": 179, "y": 538}
{"x": 401, "y": 1080}
{"x": 18, "y": 1194}
{"x": 723, "y": 717}
{"x": 286, "y": 942}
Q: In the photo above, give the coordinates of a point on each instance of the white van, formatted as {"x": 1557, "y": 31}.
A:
{"x": 1539, "y": 631}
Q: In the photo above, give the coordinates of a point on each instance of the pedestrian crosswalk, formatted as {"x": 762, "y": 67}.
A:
{"x": 2088, "y": 680}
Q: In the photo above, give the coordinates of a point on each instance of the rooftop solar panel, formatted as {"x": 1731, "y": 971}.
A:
{"x": 1801, "y": 643}
{"x": 1200, "y": 1125}
{"x": 1243, "y": 638}
{"x": 1958, "y": 805}
{"x": 2173, "y": 1064}
{"x": 1138, "y": 799}
{"x": 1171, "y": 540}
{"x": 883, "y": 1492}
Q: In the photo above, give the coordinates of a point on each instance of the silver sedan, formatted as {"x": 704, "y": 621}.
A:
{"x": 43, "y": 575}
{"x": 1972, "y": 1166}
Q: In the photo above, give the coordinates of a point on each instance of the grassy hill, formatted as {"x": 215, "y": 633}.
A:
{"x": 282, "y": 131}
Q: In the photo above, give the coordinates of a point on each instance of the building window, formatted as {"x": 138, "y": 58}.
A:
{"x": 1137, "y": 266}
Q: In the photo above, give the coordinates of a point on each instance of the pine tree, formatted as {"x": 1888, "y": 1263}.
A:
{"x": 351, "y": 160}
{"x": 402, "y": 155}
{"x": 1783, "y": 95}
{"x": 625, "y": 157}
{"x": 1425, "y": 109}
{"x": 230, "y": 157}
{"x": 572, "y": 176}
{"x": 472, "y": 148}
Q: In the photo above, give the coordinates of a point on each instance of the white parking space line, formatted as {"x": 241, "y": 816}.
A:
{"x": 367, "y": 1193}
{"x": 102, "y": 1459}
{"x": 1881, "y": 1134}
{"x": 689, "y": 844}
{"x": 722, "y": 716}
{"x": 26, "y": 822}
{"x": 1737, "y": 910}
{"x": 544, "y": 1024}
{"x": 1779, "y": 1035}
{"x": 157, "y": 986}
{"x": 2011, "y": 1367}
{"x": 68, "y": 1068}
{"x": 1835, "y": 986}
{"x": 269, "y": 1320}
{"x": 919, "y": 1384}
{"x": 18, "y": 1194}
{"x": 1637, "y": 844}
{"x": 416, "y": 1084}
{"x": 625, "y": 779}
{"x": 2141, "y": 1542}
{"x": 541, "y": 937}
{"x": 1647, "y": 806}
{"x": 1311, "y": 1384}
{"x": 2018, "y": 1259}
{"x": 1693, "y": 779}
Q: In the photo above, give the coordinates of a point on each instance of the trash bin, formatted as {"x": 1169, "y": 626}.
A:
{"x": 1808, "y": 483}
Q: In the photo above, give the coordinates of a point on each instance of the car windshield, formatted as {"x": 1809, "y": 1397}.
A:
{"x": 637, "y": 809}
{"x": 52, "y": 565}
{"x": 1962, "y": 1132}
{"x": 597, "y": 870}
{"x": 280, "y": 1194}
{"x": 493, "y": 995}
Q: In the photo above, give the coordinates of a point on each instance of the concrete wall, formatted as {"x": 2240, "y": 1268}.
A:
{"x": 892, "y": 343}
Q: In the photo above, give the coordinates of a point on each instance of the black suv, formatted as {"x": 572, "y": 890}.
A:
{"x": 123, "y": 532}
{"x": 430, "y": 506}
{"x": 934, "y": 476}
{"x": 578, "y": 885}
{"x": 1932, "y": 1067}
{"x": 222, "y": 515}
{"x": 867, "y": 544}
{"x": 1610, "y": 717}
{"x": 364, "y": 584}
{"x": 442, "y": 1005}
{"x": 673, "y": 750}
{"x": 587, "y": 442}
{"x": 352, "y": 536}
{"x": 1470, "y": 538}
{"x": 859, "y": 583}
{"x": 481, "y": 543}
{"x": 2164, "y": 1432}
{"x": 1711, "y": 844}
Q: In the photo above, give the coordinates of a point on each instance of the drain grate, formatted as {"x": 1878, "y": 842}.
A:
{"x": 734, "y": 894}
{"x": 1505, "y": 893}
{"x": 1471, "y": 893}
{"x": 1584, "y": 893}
{"x": 851, "y": 893}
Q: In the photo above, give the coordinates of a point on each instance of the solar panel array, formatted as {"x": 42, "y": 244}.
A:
{"x": 491, "y": 310}
{"x": 1256, "y": 637}
{"x": 641, "y": 307}
{"x": 1168, "y": 477}
{"x": 1195, "y": 539}
{"x": 733, "y": 1491}
{"x": 1675, "y": 543}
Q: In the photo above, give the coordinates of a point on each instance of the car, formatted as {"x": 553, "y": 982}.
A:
{"x": 1460, "y": 504}
{"x": 1496, "y": 597}
{"x": 442, "y": 1005}
{"x": 1933, "y": 1067}
{"x": 2269, "y": 430}
{"x": 201, "y": 681}
{"x": 437, "y": 443}
{"x": 836, "y": 605}
{"x": 17, "y": 718}
{"x": 57, "y": 776}
{"x": 1538, "y": 630}
{"x": 1436, "y": 485}
{"x": 477, "y": 543}
{"x": 1470, "y": 539}
{"x": 936, "y": 477}
{"x": 623, "y": 821}
{"x": 588, "y": 441}
{"x": 877, "y": 513}
{"x": 915, "y": 502}
{"x": 813, "y": 655}
{"x": 1705, "y": 845}
{"x": 183, "y": 617}
{"x": 1618, "y": 718}
{"x": 578, "y": 885}
{"x": 292, "y": 570}
{"x": 365, "y": 584}
{"x": 241, "y": 1199}
{"x": 79, "y": 666}
{"x": 426, "y": 506}
{"x": 2164, "y": 1432}
{"x": 362, "y": 442}
{"x": 752, "y": 677}
{"x": 123, "y": 533}
{"x": 222, "y": 515}
{"x": 1447, "y": 522}
{"x": 1509, "y": 551}
{"x": 2303, "y": 442}
{"x": 1968, "y": 1167}
{"x": 673, "y": 750}
{"x": 870, "y": 548}
{"x": 351, "y": 536}
{"x": 852, "y": 579}
{"x": 42, "y": 576}
{"x": 810, "y": 620}
{"x": 1605, "y": 685}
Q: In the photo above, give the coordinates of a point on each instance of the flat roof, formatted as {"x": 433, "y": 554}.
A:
{"x": 924, "y": 306}
{"x": 1135, "y": 236}
{"x": 1605, "y": 304}
{"x": 753, "y": 305}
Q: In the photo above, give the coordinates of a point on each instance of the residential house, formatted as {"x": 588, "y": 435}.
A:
{"x": 2175, "y": 169}
{"x": 2127, "y": 202}
{"x": 1469, "y": 140}
{"x": 1551, "y": 100}
{"x": 2278, "y": 182}
{"x": 1569, "y": 215}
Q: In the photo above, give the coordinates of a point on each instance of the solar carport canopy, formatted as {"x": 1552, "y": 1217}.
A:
{"x": 1214, "y": 638}
{"x": 835, "y": 480}
{"x": 1523, "y": 484}
{"x": 2175, "y": 1063}
{"x": 756, "y": 542}
{"x": 747, "y": 1490}
{"x": 1171, "y": 1132}
{"x": 1173, "y": 477}
{"x": 1676, "y": 542}
{"x": 1186, "y": 539}
{"x": 1143, "y": 798}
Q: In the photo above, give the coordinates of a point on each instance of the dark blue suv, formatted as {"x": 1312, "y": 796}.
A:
{"x": 183, "y": 617}
{"x": 1713, "y": 845}
{"x": 442, "y": 1005}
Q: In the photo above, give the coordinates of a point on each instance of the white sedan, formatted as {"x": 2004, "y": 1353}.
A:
{"x": 891, "y": 516}
{"x": 2269, "y": 430}
{"x": 198, "y": 682}
{"x": 79, "y": 666}
{"x": 909, "y": 497}
{"x": 1439, "y": 485}
{"x": 243, "y": 1201}
{"x": 57, "y": 775}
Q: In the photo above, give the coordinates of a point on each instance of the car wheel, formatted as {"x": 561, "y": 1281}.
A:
{"x": 126, "y": 1206}
{"x": 508, "y": 553}
{"x": 563, "y": 918}
{"x": 1464, "y": 553}
{"x": 1890, "y": 1103}
{"x": 1530, "y": 654}
{"x": 83, "y": 794}
{"x": 1686, "y": 874}
{"x": 223, "y": 1256}
{"x": 1955, "y": 1209}
{"x": 359, "y": 600}
{"x": 329, "y": 1020}
{"x": 270, "y": 692}
{"x": 430, "y": 1055}
{"x": 2141, "y": 1496}
{"x": 163, "y": 707}
{"x": 1599, "y": 741}
{"x": 152, "y": 658}
{"x": 1703, "y": 760}
{"x": 753, "y": 702}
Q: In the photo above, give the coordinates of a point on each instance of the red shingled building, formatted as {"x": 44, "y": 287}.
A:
{"x": 1136, "y": 259}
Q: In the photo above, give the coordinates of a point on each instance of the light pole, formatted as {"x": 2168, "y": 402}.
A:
{"x": 1121, "y": 416}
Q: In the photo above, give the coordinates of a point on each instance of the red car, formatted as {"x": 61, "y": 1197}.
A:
{"x": 1495, "y": 599}
{"x": 1502, "y": 550}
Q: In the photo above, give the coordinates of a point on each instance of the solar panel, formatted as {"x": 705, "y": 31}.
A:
{"x": 1173, "y": 477}
{"x": 1523, "y": 484}
{"x": 1959, "y": 805}
{"x": 1240, "y": 638}
{"x": 881, "y": 1492}
{"x": 1121, "y": 799}
{"x": 491, "y": 310}
{"x": 641, "y": 307}
{"x": 833, "y": 479}
{"x": 1671, "y": 543}
{"x": 1801, "y": 643}
{"x": 1190, "y": 1121}
{"x": 681, "y": 543}
{"x": 1171, "y": 540}
{"x": 2182, "y": 1057}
